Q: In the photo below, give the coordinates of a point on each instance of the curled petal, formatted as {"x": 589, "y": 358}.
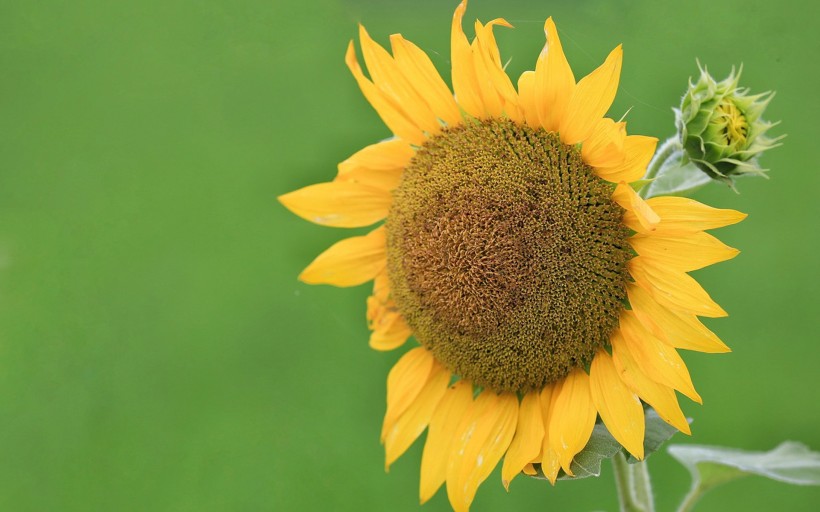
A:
{"x": 684, "y": 215}
{"x": 638, "y": 151}
{"x": 381, "y": 286}
{"x": 390, "y": 331}
{"x": 497, "y": 89}
{"x": 465, "y": 81}
{"x": 630, "y": 201}
{"x": 605, "y": 145}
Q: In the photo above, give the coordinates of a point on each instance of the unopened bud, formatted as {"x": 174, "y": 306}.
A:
{"x": 721, "y": 128}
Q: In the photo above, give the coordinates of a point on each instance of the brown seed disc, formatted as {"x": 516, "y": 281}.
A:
{"x": 506, "y": 254}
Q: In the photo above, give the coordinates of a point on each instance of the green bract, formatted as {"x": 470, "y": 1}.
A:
{"x": 721, "y": 129}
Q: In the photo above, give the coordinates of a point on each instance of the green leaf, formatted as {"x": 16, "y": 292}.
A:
{"x": 602, "y": 446}
{"x": 676, "y": 178}
{"x": 657, "y": 433}
{"x": 587, "y": 462}
{"x": 638, "y": 185}
{"x": 710, "y": 466}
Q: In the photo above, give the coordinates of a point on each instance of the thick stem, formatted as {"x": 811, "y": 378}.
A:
{"x": 667, "y": 150}
{"x": 643, "y": 485}
{"x": 668, "y": 147}
{"x": 633, "y": 484}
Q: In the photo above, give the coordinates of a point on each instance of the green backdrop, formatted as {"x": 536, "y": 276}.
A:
{"x": 156, "y": 350}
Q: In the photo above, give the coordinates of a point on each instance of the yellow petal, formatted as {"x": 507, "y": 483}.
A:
{"x": 386, "y": 181}
{"x": 679, "y": 330}
{"x": 684, "y": 252}
{"x": 390, "y": 331}
{"x": 392, "y": 115}
{"x": 415, "y": 419}
{"x": 404, "y": 383}
{"x": 573, "y": 417}
{"x": 483, "y": 436}
{"x": 529, "y": 470}
{"x": 381, "y": 286}
{"x": 554, "y": 81}
{"x": 339, "y": 204}
{"x": 550, "y": 465}
{"x": 491, "y": 75}
{"x": 672, "y": 288}
{"x": 657, "y": 360}
{"x": 349, "y": 262}
{"x": 493, "y": 103}
{"x": 684, "y": 215}
{"x": 638, "y": 151}
{"x": 630, "y": 201}
{"x": 387, "y": 155}
{"x": 605, "y": 145}
{"x": 526, "y": 97}
{"x": 387, "y": 76}
{"x": 416, "y": 64}
{"x": 529, "y": 435}
{"x": 591, "y": 99}
{"x": 379, "y": 165}
{"x": 618, "y": 406}
{"x": 661, "y": 398}
{"x": 440, "y": 435}
{"x": 465, "y": 82}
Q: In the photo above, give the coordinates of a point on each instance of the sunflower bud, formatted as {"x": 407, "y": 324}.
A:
{"x": 721, "y": 129}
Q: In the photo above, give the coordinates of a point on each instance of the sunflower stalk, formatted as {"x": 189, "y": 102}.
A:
{"x": 633, "y": 484}
{"x": 664, "y": 153}
{"x": 668, "y": 173}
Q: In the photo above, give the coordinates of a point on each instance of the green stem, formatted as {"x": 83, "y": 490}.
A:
{"x": 667, "y": 150}
{"x": 692, "y": 497}
{"x": 668, "y": 147}
{"x": 633, "y": 484}
{"x": 643, "y": 485}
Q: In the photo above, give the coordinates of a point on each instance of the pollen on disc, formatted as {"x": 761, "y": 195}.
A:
{"x": 506, "y": 254}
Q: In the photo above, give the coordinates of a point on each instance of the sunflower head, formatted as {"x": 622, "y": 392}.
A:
{"x": 721, "y": 127}
{"x": 544, "y": 293}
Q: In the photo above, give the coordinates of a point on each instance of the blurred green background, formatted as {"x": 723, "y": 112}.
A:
{"x": 156, "y": 350}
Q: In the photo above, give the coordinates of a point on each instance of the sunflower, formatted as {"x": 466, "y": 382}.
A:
{"x": 543, "y": 291}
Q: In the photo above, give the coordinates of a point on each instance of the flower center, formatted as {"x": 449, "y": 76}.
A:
{"x": 506, "y": 254}
{"x": 732, "y": 124}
